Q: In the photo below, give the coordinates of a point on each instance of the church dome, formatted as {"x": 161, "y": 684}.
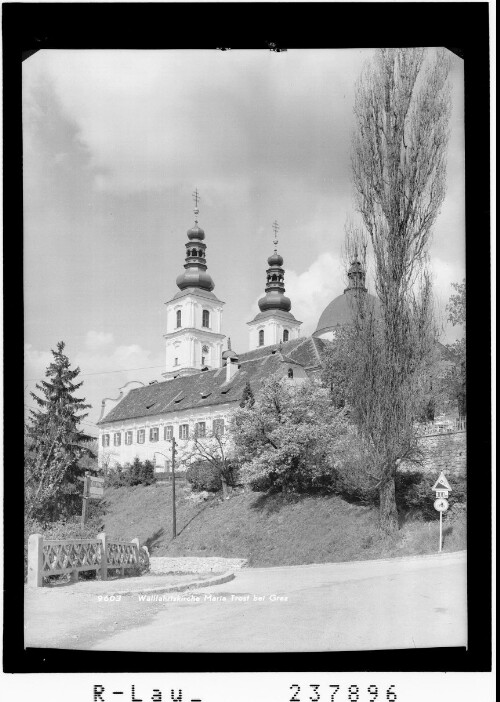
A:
{"x": 342, "y": 310}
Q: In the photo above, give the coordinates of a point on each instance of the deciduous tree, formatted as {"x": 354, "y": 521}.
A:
{"x": 286, "y": 439}
{"x": 402, "y": 109}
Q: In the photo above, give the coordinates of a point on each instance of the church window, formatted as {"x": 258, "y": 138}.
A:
{"x": 183, "y": 431}
{"x": 200, "y": 429}
{"x": 168, "y": 432}
{"x": 141, "y": 436}
{"x": 194, "y": 252}
{"x": 218, "y": 427}
{"x": 128, "y": 438}
{"x": 203, "y": 360}
{"x": 117, "y": 439}
{"x": 154, "y": 434}
{"x": 261, "y": 337}
{"x": 205, "y": 318}
{"x": 179, "y": 318}
{"x": 275, "y": 278}
{"x": 176, "y": 361}
{"x": 285, "y": 335}
{"x": 290, "y": 372}
{"x": 105, "y": 440}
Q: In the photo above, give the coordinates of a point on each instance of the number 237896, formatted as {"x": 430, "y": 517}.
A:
{"x": 333, "y": 693}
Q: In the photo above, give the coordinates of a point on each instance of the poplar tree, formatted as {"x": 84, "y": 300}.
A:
{"x": 402, "y": 110}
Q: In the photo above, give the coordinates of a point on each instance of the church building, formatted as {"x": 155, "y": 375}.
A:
{"x": 203, "y": 383}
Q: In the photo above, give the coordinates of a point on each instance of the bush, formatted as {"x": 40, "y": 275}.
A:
{"x": 137, "y": 473}
{"x": 202, "y": 475}
{"x": 414, "y": 493}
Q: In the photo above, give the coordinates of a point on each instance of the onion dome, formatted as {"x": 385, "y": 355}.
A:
{"x": 195, "y": 274}
{"x": 275, "y": 299}
{"x": 275, "y": 260}
{"x": 196, "y": 232}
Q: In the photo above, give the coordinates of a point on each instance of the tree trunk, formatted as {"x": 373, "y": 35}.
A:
{"x": 224, "y": 487}
{"x": 388, "y": 509}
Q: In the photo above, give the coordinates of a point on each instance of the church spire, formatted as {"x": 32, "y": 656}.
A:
{"x": 356, "y": 275}
{"x": 275, "y": 298}
{"x": 195, "y": 275}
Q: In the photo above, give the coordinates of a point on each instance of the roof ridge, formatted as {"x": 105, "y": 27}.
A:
{"x": 313, "y": 339}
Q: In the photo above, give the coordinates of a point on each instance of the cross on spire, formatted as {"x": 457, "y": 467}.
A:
{"x": 276, "y": 228}
{"x": 196, "y": 197}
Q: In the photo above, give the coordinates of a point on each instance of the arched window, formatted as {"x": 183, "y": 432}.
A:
{"x": 285, "y": 335}
{"x": 179, "y": 318}
{"x": 205, "y": 319}
{"x": 290, "y": 372}
{"x": 194, "y": 252}
{"x": 261, "y": 337}
{"x": 275, "y": 277}
{"x": 200, "y": 253}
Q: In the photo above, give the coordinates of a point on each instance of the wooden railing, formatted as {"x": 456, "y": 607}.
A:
{"x": 72, "y": 556}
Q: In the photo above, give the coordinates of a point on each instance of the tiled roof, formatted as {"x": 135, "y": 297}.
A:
{"x": 204, "y": 389}
{"x": 209, "y": 388}
{"x": 304, "y": 350}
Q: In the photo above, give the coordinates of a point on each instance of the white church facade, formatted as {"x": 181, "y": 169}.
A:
{"x": 203, "y": 383}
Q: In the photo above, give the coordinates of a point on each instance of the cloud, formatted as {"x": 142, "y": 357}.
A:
{"x": 150, "y": 120}
{"x": 97, "y": 340}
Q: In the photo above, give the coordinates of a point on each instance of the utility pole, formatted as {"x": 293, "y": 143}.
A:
{"x": 174, "y": 518}
{"x": 86, "y": 481}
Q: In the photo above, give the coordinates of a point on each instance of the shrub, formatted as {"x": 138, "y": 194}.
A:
{"x": 202, "y": 475}
{"x": 137, "y": 473}
{"x": 414, "y": 493}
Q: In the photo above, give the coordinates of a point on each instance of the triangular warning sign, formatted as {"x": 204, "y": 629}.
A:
{"x": 441, "y": 483}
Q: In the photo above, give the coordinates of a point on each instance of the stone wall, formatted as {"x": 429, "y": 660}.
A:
{"x": 447, "y": 452}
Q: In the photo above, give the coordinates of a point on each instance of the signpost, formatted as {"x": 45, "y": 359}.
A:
{"x": 442, "y": 489}
{"x": 92, "y": 488}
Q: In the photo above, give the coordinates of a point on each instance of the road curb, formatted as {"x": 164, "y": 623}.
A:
{"x": 444, "y": 555}
{"x": 225, "y": 578}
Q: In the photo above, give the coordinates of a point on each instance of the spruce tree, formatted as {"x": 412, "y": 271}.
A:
{"x": 247, "y": 397}
{"x": 55, "y": 442}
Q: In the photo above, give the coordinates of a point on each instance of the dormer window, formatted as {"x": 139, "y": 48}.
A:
{"x": 205, "y": 319}
{"x": 179, "y": 318}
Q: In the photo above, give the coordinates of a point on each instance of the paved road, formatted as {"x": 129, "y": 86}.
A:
{"x": 398, "y": 603}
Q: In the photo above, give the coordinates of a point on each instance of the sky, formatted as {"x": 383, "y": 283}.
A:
{"x": 115, "y": 142}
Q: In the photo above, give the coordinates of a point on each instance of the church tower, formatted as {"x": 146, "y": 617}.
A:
{"x": 274, "y": 323}
{"x": 194, "y": 315}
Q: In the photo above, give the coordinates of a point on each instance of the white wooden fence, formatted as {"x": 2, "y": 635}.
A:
{"x": 57, "y": 557}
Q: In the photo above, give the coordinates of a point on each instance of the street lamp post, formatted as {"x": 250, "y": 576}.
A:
{"x": 174, "y": 516}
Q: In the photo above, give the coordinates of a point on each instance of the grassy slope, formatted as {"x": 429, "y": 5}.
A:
{"x": 266, "y": 530}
